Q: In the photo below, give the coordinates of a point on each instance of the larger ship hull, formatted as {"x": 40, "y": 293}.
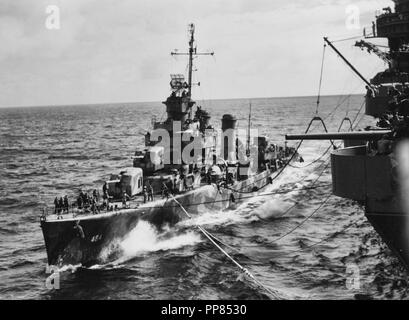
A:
{"x": 360, "y": 176}
{"x": 82, "y": 239}
{"x": 393, "y": 229}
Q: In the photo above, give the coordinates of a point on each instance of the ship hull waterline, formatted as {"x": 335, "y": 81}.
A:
{"x": 68, "y": 244}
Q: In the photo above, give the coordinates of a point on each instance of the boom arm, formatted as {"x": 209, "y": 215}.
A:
{"x": 357, "y": 135}
{"x": 347, "y": 62}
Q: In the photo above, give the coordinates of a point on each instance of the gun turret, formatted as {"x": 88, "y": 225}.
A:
{"x": 358, "y": 135}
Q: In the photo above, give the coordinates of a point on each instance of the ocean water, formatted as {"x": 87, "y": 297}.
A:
{"x": 304, "y": 244}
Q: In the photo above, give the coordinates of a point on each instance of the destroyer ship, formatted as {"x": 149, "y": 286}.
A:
{"x": 369, "y": 168}
{"x": 185, "y": 163}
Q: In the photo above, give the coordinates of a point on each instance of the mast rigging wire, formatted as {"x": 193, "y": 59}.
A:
{"x": 346, "y": 39}
{"x": 320, "y": 83}
{"x": 305, "y": 220}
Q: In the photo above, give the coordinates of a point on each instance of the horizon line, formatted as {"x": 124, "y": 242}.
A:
{"x": 158, "y": 101}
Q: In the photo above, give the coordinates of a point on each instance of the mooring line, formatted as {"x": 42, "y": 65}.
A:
{"x": 243, "y": 269}
{"x": 223, "y": 243}
{"x": 302, "y": 222}
{"x": 287, "y": 211}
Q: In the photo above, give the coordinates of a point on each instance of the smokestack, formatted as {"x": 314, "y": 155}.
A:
{"x": 229, "y": 137}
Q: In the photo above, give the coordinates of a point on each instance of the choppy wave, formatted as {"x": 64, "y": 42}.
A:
{"x": 43, "y": 156}
{"x": 145, "y": 238}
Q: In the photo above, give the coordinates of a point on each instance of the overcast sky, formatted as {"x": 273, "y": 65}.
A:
{"x": 119, "y": 51}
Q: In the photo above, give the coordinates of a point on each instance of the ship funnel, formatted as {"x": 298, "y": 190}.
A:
{"x": 229, "y": 140}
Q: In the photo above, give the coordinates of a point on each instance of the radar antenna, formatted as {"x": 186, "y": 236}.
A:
{"x": 192, "y": 53}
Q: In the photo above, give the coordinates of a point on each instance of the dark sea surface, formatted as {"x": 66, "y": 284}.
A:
{"x": 53, "y": 151}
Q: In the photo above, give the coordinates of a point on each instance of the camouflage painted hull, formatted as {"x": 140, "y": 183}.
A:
{"x": 81, "y": 240}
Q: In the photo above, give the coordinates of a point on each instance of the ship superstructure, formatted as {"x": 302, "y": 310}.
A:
{"x": 184, "y": 163}
{"x": 393, "y": 25}
{"x": 367, "y": 169}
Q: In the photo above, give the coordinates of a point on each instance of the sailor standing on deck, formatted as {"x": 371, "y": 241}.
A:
{"x": 66, "y": 204}
{"x": 145, "y": 194}
{"x": 79, "y": 202}
{"x": 165, "y": 192}
{"x": 95, "y": 195}
{"x": 125, "y": 197}
{"x": 60, "y": 205}
{"x": 150, "y": 193}
{"x": 60, "y": 208}
{"x": 209, "y": 176}
{"x": 94, "y": 206}
{"x": 55, "y": 205}
{"x": 105, "y": 194}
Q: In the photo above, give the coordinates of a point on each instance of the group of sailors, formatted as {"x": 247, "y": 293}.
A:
{"x": 61, "y": 206}
{"x": 87, "y": 201}
{"x": 91, "y": 202}
{"x": 147, "y": 193}
{"x": 84, "y": 201}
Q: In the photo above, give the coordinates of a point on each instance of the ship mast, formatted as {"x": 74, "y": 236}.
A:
{"x": 192, "y": 53}
{"x": 248, "y": 133}
{"x": 191, "y": 50}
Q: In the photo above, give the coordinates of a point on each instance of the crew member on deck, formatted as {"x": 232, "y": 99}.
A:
{"x": 150, "y": 193}
{"x": 82, "y": 195}
{"x": 55, "y": 205}
{"x": 209, "y": 176}
{"x": 95, "y": 195}
{"x": 89, "y": 199}
{"x": 60, "y": 208}
{"x": 165, "y": 191}
{"x": 79, "y": 202}
{"x": 94, "y": 206}
{"x": 66, "y": 204}
{"x": 60, "y": 205}
{"x": 145, "y": 194}
{"x": 105, "y": 194}
{"x": 125, "y": 197}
